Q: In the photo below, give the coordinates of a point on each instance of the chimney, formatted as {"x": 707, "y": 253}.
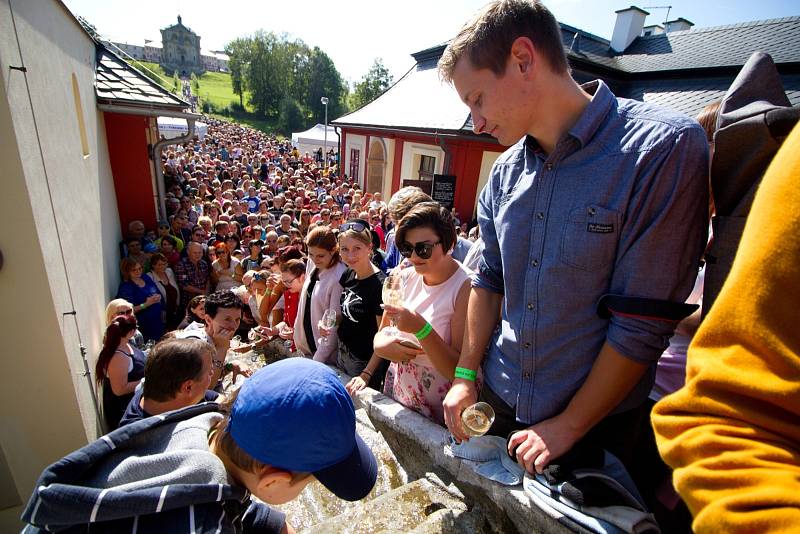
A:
{"x": 678, "y": 25}
{"x": 628, "y": 27}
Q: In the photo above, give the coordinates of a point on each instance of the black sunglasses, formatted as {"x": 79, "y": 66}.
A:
{"x": 356, "y": 226}
{"x": 423, "y": 250}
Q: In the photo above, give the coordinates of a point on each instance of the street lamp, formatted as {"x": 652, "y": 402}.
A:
{"x": 324, "y": 101}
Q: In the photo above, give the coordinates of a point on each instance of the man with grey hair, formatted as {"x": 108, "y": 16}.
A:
{"x": 193, "y": 273}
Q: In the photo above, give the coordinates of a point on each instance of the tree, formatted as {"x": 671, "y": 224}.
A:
{"x": 176, "y": 83}
{"x": 292, "y": 116}
{"x": 324, "y": 80}
{"x": 195, "y": 84}
{"x": 373, "y": 84}
{"x": 239, "y": 53}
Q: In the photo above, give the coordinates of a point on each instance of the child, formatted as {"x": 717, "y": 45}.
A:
{"x": 190, "y": 470}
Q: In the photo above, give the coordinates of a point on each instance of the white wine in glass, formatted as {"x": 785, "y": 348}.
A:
{"x": 393, "y": 295}
{"x": 477, "y": 419}
{"x": 328, "y": 322}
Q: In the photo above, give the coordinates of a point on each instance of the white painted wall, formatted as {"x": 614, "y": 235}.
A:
{"x": 358, "y": 142}
{"x": 387, "y": 177}
{"x": 411, "y": 157}
{"x": 488, "y": 159}
{"x": 45, "y": 406}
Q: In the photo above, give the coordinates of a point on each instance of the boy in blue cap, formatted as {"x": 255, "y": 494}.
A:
{"x": 193, "y": 470}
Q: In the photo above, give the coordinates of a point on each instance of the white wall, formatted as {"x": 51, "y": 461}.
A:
{"x": 489, "y": 157}
{"x": 45, "y": 406}
{"x": 409, "y": 169}
{"x": 387, "y": 176}
{"x": 358, "y": 142}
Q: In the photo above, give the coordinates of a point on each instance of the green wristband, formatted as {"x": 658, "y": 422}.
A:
{"x": 424, "y": 332}
{"x": 466, "y": 374}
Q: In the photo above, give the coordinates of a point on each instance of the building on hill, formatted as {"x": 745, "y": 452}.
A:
{"x": 418, "y": 130}
{"x": 180, "y": 50}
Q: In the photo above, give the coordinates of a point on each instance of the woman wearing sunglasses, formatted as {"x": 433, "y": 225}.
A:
{"x": 321, "y": 291}
{"x": 361, "y": 308}
{"x": 431, "y": 321}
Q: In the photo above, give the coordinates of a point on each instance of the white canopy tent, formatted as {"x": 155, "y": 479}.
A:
{"x": 313, "y": 139}
{"x": 170, "y": 127}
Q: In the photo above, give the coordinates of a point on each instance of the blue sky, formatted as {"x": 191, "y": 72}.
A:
{"x": 354, "y": 32}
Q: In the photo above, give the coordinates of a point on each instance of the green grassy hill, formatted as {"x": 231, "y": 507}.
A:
{"x": 216, "y": 89}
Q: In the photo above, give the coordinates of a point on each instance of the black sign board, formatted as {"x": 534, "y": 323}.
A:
{"x": 444, "y": 189}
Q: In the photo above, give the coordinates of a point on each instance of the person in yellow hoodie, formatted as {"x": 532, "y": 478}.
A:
{"x": 732, "y": 434}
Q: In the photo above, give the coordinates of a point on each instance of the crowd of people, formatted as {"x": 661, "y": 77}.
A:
{"x": 564, "y": 329}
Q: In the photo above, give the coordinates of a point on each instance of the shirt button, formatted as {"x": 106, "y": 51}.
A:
{"x": 592, "y": 211}
{"x": 535, "y": 263}
{"x": 540, "y": 215}
{"x": 526, "y": 374}
{"x": 549, "y": 166}
{"x": 527, "y": 345}
{"x": 530, "y": 305}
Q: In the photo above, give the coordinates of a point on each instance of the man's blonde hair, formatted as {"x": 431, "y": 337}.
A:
{"x": 486, "y": 40}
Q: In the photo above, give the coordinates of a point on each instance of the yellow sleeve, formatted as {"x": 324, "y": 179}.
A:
{"x": 732, "y": 434}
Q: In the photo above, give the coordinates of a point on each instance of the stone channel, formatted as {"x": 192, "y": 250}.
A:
{"x": 420, "y": 488}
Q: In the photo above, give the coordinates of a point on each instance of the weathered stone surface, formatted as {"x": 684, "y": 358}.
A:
{"x": 419, "y": 445}
{"x": 418, "y": 506}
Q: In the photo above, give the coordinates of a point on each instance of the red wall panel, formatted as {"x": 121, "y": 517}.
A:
{"x": 130, "y": 165}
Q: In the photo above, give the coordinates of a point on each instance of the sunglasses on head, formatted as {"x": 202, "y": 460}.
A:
{"x": 423, "y": 250}
{"x": 259, "y": 277}
{"x": 356, "y": 226}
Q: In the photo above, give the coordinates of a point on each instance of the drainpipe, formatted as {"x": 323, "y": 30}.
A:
{"x": 338, "y": 150}
{"x": 155, "y": 153}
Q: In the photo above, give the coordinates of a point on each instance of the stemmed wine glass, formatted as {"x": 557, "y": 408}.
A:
{"x": 393, "y": 294}
{"x": 477, "y": 419}
{"x": 328, "y": 322}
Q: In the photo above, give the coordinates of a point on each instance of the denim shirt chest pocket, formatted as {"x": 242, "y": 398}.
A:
{"x": 589, "y": 238}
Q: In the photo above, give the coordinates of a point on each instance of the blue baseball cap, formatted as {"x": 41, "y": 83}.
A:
{"x": 296, "y": 415}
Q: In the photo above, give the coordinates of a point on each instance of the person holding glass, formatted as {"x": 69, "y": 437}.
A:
{"x": 361, "y": 308}
{"x": 431, "y": 319}
{"x": 321, "y": 292}
{"x": 143, "y": 293}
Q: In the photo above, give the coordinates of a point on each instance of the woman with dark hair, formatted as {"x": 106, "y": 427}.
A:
{"x": 253, "y": 262}
{"x": 232, "y": 242}
{"x": 226, "y": 271}
{"x": 305, "y": 221}
{"x": 431, "y": 320}
{"x": 119, "y": 368}
{"x": 321, "y": 292}
{"x": 195, "y": 313}
{"x": 168, "y": 247}
{"x": 143, "y": 293}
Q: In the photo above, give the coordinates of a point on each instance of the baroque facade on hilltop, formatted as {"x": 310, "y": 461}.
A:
{"x": 180, "y": 52}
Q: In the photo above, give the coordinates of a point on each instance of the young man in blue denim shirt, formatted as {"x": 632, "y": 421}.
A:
{"x": 597, "y": 195}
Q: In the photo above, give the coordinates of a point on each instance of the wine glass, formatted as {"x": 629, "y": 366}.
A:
{"x": 393, "y": 294}
{"x": 477, "y": 419}
{"x": 328, "y": 322}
